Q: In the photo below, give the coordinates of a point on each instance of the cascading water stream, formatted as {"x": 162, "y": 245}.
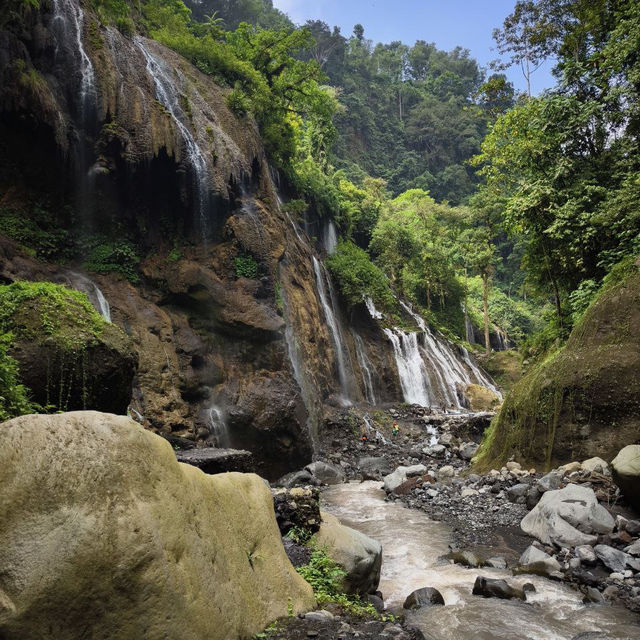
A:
{"x": 323, "y": 283}
{"x": 411, "y": 370}
{"x": 365, "y": 366}
{"x": 82, "y": 283}
{"x": 67, "y": 26}
{"x": 330, "y": 238}
{"x": 412, "y": 547}
{"x": 165, "y": 86}
{"x": 218, "y": 426}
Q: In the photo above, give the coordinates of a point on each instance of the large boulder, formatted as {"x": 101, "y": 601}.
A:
{"x": 425, "y": 597}
{"x": 568, "y": 517}
{"x": 400, "y": 475}
{"x": 584, "y": 399}
{"x": 626, "y": 473}
{"x": 359, "y": 555}
{"x": 68, "y": 355}
{"x": 105, "y": 535}
{"x": 326, "y": 472}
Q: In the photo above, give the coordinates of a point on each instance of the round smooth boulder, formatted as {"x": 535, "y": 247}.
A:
{"x": 626, "y": 473}
{"x": 359, "y": 555}
{"x": 425, "y": 597}
{"x": 104, "y": 534}
{"x": 568, "y": 517}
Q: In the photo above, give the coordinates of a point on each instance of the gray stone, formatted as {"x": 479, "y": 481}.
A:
{"x": 319, "y": 616}
{"x": 491, "y": 588}
{"x": 634, "y": 549}
{"x": 612, "y": 558}
{"x": 374, "y": 468}
{"x": 535, "y": 561}
{"x": 586, "y": 554}
{"x": 597, "y": 465}
{"x": 550, "y": 482}
{"x": 468, "y": 450}
{"x": 568, "y": 517}
{"x": 593, "y": 595}
{"x": 496, "y": 563}
{"x": 626, "y": 473}
{"x": 446, "y": 472}
{"x": 465, "y": 558}
{"x": 296, "y": 479}
{"x": 517, "y": 491}
{"x": 326, "y": 472}
{"x": 400, "y": 475}
{"x": 425, "y": 597}
{"x": 212, "y": 460}
{"x": 358, "y": 554}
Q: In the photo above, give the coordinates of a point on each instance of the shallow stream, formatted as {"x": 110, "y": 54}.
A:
{"x": 412, "y": 546}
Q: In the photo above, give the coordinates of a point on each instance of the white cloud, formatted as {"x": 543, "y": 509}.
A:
{"x": 295, "y": 8}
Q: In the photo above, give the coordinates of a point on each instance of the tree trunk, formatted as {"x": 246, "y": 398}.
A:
{"x": 485, "y": 310}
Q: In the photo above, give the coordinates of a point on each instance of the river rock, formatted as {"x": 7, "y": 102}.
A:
{"x": 374, "y": 468}
{"x": 427, "y": 596}
{"x": 326, "y": 472}
{"x": 634, "y": 549}
{"x": 517, "y": 491}
{"x": 213, "y": 460}
{"x": 596, "y": 464}
{"x": 496, "y": 563}
{"x": 495, "y": 588}
{"x": 296, "y": 479}
{"x": 626, "y": 473}
{"x": 446, "y": 472}
{"x": 400, "y": 475}
{"x": 466, "y": 558}
{"x": 568, "y": 517}
{"x": 586, "y": 554}
{"x": 359, "y": 555}
{"x": 535, "y": 561}
{"x": 468, "y": 450}
{"x": 549, "y": 482}
{"x": 571, "y": 467}
{"x": 612, "y": 558}
{"x": 111, "y": 537}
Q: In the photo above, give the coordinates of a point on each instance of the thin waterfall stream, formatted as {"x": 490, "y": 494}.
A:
{"x": 413, "y": 545}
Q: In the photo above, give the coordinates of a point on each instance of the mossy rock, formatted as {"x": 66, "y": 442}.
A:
{"x": 480, "y": 398}
{"x": 68, "y": 355}
{"x": 584, "y": 399}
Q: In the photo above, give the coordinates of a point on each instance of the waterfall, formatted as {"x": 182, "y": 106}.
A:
{"x": 82, "y": 283}
{"x": 67, "y": 26}
{"x": 468, "y": 327}
{"x": 218, "y": 426}
{"x": 411, "y": 370}
{"x": 432, "y": 371}
{"x": 365, "y": 367}
{"x": 330, "y": 238}
{"x": 323, "y": 282}
{"x": 165, "y": 86}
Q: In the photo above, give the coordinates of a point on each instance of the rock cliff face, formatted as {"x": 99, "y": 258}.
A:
{"x": 120, "y": 136}
{"x": 104, "y": 534}
{"x": 584, "y": 400}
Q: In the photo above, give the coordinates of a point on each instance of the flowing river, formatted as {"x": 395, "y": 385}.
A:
{"x": 412, "y": 546}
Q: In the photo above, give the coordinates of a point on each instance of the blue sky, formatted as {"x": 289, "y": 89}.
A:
{"x": 448, "y": 23}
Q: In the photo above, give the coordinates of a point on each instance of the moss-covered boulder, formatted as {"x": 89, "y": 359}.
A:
{"x": 584, "y": 399}
{"x": 67, "y": 354}
{"x": 480, "y": 398}
{"x": 105, "y": 535}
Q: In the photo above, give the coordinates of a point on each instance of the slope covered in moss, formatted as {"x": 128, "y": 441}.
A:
{"x": 584, "y": 399}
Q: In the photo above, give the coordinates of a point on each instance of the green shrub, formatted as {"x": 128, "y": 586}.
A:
{"x": 325, "y": 577}
{"x": 358, "y": 277}
{"x": 14, "y": 397}
{"x": 113, "y": 257}
{"x": 246, "y": 267}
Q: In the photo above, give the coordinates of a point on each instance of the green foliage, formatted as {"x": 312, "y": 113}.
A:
{"x": 115, "y": 12}
{"x": 14, "y": 397}
{"x": 42, "y": 310}
{"x": 246, "y": 267}
{"x": 357, "y": 277}
{"x": 38, "y": 232}
{"x": 326, "y": 576}
{"x": 299, "y": 535}
{"x": 104, "y": 256}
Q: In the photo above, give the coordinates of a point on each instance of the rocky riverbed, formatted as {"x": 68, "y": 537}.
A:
{"x": 518, "y": 523}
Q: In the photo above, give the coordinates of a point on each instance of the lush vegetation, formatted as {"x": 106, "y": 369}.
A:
{"x": 14, "y": 397}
